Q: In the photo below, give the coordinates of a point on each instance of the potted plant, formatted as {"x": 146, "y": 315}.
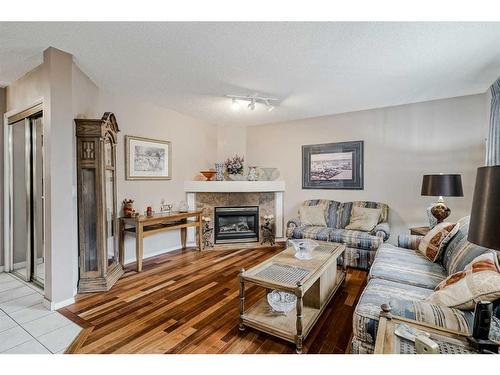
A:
{"x": 234, "y": 168}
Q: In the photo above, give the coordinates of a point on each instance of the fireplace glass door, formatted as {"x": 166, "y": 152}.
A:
{"x": 236, "y": 224}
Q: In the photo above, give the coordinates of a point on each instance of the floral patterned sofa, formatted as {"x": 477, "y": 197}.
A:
{"x": 360, "y": 246}
{"x": 403, "y": 278}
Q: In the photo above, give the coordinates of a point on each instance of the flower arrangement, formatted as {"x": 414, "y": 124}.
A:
{"x": 234, "y": 165}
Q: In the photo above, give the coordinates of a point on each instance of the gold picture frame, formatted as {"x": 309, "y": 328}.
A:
{"x": 147, "y": 159}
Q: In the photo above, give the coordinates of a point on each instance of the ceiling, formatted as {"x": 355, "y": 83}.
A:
{"x": 315, "y": 69}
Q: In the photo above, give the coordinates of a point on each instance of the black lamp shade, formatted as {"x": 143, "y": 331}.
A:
{"x": 484, "y": 229}
{"x": 446, "y": 185}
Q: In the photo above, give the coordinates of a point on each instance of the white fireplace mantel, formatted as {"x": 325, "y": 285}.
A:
{"x": 233, "y": 186}
{"x": 191, "y": 188}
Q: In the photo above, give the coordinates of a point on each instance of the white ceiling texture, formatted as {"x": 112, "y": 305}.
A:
{"x": 315, "y": 69}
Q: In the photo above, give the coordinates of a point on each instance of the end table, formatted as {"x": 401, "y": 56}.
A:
{"x": 421, "y": 231}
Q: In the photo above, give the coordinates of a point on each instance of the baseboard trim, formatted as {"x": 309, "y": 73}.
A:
{"x": 159, "y": 252}
{"x": 52, "y": 306}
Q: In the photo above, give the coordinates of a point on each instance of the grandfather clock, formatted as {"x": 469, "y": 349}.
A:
{"x": 99, "y": 258}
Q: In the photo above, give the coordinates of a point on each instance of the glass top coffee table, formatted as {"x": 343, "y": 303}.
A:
{"x": 313, "y": 281}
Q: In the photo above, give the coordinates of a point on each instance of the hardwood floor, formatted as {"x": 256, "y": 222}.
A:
{"x": 188, "y": 302}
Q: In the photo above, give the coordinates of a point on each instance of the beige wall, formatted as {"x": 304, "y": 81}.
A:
{"x": 3, "y": 108}
{"x": 193, "y": 149}
{"x": 231, "y": 140}
{"x": 67, "y": 94}
{"x": 401, "y": 144}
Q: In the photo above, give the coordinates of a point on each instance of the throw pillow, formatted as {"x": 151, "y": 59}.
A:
{"x": 479, "y": 281}
{"x": 312, "y": 215}
{"x": 364, "y": 219}
{"x": 435, "y": 240}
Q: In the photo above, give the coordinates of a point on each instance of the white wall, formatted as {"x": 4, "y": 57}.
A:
{"x": 400, "y": 143}
{"x": 3, "y": 107}
{"x": 231, "y": 140}
{"x": 67, "y": 94}
{"x": 193, "y": 149}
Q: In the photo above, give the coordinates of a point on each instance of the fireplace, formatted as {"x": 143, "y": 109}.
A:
{"x": 236, "y": 224}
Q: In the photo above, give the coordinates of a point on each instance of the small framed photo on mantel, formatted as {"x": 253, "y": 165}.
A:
{"x": 333, "y": 166}
{"x": 147, "y": 159}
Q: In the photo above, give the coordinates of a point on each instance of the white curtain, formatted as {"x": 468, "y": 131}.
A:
{"x": 493, "y": 144}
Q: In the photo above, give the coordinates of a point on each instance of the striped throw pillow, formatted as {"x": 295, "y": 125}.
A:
{"x": 479, "y": 281}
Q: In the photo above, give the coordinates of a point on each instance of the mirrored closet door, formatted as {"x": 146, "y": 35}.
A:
{"x": 25, "y": 198}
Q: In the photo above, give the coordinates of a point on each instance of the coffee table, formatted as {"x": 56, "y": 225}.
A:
{"x": 314, "y": 283}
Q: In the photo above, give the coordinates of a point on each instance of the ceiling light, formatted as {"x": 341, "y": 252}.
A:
{"x": 235, "y": 105}
{"x": 269, "y": 106}
{"x": 251, "y": 105}
{"x": 252, "y": 101}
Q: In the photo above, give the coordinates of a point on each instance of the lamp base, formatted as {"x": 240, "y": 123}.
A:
{"x": 440, "y": 211}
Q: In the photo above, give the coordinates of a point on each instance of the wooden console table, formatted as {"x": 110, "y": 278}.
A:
{"x": 143, "y": 226}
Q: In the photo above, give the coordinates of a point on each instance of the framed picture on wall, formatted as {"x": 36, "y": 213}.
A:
{"x": 147, "y": 159}
{"x": 333, "y": 166}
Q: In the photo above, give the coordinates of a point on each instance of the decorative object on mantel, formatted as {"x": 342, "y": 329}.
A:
{"x": 219, "y": 171}
{"x": 439, "y": 185}
{"x": 149, "y": 211}
{"x": 183, "y": 206}
{"x": 128, "y": 208}
{"x": 252, "y": 174}
{"x": 207, "y": 232}
{"x": 147, "y": 159}
{"x": 208, "y": 175}
{"x": 333, "y": 166}
{"x": 268, "y": 230}
{"x": 234, "y": 168}
{"x": 269, "y": 174}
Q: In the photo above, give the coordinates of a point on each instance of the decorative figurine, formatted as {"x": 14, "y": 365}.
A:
{"x": 219, "y": 171}
{"x": 167, "y": 208}
{"x": 149, "y": 211}
{"x": 128, "y": 208}
{"x": 207, "y": 232}
{"x": 252, "y": 174}
{"x": 183, "y": 206}
{"x": 268, "y": 230}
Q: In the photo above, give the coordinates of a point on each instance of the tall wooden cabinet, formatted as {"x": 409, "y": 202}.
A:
{"x": 99, "y": 258}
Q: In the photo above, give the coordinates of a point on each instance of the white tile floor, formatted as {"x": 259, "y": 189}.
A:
{"x": 26, "y": 325}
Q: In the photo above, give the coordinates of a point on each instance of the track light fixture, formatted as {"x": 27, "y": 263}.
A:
{"x": 235, "y": 105}
{"x": 253, "y": 100}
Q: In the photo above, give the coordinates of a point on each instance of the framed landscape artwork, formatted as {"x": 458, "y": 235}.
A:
{"x": 333, "y": 166}
{"x": 147, "y": 159}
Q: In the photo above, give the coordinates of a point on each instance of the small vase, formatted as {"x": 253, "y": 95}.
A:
{"x": 252, "y": 174}
{"x": 219, "y": 172}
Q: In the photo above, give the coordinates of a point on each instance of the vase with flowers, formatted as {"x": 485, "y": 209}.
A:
{"x": 234, "y": 168}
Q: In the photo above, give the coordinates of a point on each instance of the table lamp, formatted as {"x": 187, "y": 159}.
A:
{"x": 441, "y": 185}
{"x": 485, "y": 214}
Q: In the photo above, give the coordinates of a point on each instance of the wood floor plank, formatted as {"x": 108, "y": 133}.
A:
{"x": 187, "y": 301}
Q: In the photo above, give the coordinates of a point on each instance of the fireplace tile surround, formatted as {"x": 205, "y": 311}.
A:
{"x": 266, "y": 195}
